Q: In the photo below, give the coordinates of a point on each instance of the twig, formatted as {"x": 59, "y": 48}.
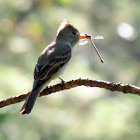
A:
{"x": 112, "y": 86}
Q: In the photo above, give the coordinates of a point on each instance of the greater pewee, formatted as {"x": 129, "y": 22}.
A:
{"x": 52, "y": 61}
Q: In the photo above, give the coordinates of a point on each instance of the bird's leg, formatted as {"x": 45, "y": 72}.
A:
{"x": 62, "y": 81}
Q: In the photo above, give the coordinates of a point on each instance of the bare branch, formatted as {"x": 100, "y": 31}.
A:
{"x": 112, "y": 86}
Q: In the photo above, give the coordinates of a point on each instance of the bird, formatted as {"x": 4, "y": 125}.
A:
{"x": 52, "y": 61}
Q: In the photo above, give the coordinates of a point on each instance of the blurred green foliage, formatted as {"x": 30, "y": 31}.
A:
{"x": 83, "y": 113}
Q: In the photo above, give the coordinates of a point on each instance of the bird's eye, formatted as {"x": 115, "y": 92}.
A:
{"x": 74, "y": 32}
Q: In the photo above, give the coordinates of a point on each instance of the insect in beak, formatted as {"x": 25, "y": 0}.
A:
{"x": 88, "y": 36}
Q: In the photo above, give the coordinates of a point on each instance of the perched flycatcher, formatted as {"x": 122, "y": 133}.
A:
{"x": 52, "y": 61}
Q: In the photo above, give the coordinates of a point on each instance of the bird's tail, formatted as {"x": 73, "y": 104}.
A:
{"x": 29, "y": 103}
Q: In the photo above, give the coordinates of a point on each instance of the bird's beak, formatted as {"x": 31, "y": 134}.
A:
{"x": 83, "y": 36}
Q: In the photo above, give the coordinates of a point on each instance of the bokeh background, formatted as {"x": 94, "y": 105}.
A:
{"x": 27, "y": 26}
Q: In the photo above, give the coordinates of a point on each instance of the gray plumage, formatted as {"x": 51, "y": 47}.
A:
{"x": 52, "y": 61}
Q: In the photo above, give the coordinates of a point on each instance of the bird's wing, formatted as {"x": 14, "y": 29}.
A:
{"x": 52, "y": 65}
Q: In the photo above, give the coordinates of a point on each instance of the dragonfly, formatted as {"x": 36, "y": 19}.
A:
{"x": 83, "y": 42}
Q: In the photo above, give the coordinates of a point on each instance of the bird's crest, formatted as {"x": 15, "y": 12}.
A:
{"x": 63, "y": 25}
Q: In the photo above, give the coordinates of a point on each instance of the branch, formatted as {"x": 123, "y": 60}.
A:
{"x": 112, "y": 86}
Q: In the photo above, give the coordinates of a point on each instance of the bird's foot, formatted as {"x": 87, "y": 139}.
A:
{"x": 62, "y": 82}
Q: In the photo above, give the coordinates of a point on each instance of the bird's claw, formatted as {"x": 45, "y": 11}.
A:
{"x": 62, "y": 82}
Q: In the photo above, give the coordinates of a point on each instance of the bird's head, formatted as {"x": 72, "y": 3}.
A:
{"x": 67, "y": 32}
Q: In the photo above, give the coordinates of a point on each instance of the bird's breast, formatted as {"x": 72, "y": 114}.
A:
{"x": 60, "y": 71}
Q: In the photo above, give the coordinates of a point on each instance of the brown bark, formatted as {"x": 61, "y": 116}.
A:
{"x": 112, "y": 86}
